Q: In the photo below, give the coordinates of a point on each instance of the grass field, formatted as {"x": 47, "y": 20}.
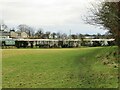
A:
{"x": 94, "y": 67}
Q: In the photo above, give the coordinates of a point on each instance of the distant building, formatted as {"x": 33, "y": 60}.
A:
{"x": 13, "y": 34}
{"x": 22, "y": 35}
{"x": 18, "y": 34}
{"x": 4, "y": 34}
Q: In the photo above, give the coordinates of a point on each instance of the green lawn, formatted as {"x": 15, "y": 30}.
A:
{"x": 93, "y": 67}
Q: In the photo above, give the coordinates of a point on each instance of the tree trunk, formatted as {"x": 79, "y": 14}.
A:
{"x": 118, "y": 27}
{"x": 118, "y": 32}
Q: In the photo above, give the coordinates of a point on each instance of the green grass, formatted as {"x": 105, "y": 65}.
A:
{"x": 60, "y": 68}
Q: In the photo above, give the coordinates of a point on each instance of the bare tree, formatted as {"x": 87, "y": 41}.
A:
{"x": 58, "y": 35}
{"x": 3, "y": 27}
{"x": 107, "y": 14}
{"x": 48, "y": 34}
{"x": 53, "y": 35}
{"x": 25, "y": 28}
{"x": 64, "y": 36}
{"x": 31, "y": 31}
{"x": 39, "y": 33}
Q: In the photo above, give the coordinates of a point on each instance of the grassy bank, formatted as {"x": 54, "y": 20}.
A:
{"x": 60, "y": 68}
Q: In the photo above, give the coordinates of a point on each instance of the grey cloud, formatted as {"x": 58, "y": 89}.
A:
{"x": 44, "y": 12}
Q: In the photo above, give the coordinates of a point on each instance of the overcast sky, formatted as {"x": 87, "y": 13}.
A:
{"x": 51, "y": 15}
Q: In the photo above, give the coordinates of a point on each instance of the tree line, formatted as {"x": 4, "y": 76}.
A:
{"x": 40, "y": 34}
